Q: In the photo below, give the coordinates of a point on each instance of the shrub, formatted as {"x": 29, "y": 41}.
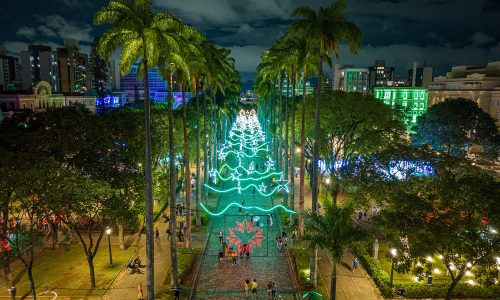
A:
{"x": 303, "y": 263}
{"x": 204, "y": 216}
{"x": 439, "y": 290}
{"x": 380, "y": 277}
{"x": 184, "y": 261}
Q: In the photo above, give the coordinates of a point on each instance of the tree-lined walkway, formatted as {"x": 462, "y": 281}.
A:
{"x": 266, "y": 264}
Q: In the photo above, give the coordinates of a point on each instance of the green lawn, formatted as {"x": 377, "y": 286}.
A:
{"x": 440, "y": 277}
{"x": 67, "y": 273}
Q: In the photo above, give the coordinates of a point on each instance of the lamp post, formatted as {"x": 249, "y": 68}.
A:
{"x": 298, "y": 154}
{"x": 393, "y": 251}
{"x": 109, "y": 244}
{"x": 327, "y": 187}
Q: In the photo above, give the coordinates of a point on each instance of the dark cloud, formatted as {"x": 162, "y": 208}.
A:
{"x": 401, "y": 31}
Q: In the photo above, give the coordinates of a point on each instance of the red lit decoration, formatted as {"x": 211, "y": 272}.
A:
{"x": 253, "y": 242}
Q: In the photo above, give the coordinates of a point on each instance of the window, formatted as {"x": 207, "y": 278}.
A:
{"x": 354, "y": 88}
{"x": 498, "y": 102}
{"x": 84, "y": 102}
{"x": 493, "y": 102}
{"x": 405, "y": 95}
{"x": 31, "y": 105}
{"x": 449, "y": 87}
{"x": 498, "y": 113}
{"x": 414, "y": 119}
{"x": 90, "y": 102}
{"x": 455, "y": 86}
{"x": 421, "y": 106}
{"x": 24, "y": 105}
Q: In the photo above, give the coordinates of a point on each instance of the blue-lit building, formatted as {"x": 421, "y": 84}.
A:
{"x": 134, "y": 89}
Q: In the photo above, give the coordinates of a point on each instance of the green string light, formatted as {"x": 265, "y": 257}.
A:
{"x": 247, "y": 207}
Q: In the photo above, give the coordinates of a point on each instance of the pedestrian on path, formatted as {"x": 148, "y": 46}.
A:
{"x": 13, "y": 291}
{"x": 224, "y": 245}
{"x": 221, "y": 257}
{"x": 157, "y": 234}
{"x": 140, "y": 296}
{"x": 374, "y": 212}
{"x": 268, "y": 289}
{"x": 294, "y": 234}
{"x": 247, "y": 287}
{"x": 278, "y": 243}
{"x": 242, "y": 202}
{"x": 285, "y": 242}
{"x": 354, "y": 264}
{"x": 168, "y": 232}
{"x": 360, "y": 215}
{"x": 283, "y": 232}
{"x": 220, "y": 236}
{"x": 273, "y": 291}
{"x": 268, "y": 219}
{"x": 177, "y": 293}
{"x": 239, "y": 210}
{"x": 271, "y": 219}
{"x": 254, "y": 289}
{"x": 378, "y": 211}
{"x": 247, "y": 250}
{"x": 365, "y": 216}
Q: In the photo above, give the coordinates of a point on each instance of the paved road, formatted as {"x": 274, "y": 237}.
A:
{"x": 216, "y": 281}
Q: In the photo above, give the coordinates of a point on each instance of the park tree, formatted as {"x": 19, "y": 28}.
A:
{"x": 351, "y": 125}
{"x": 455, "y": 125}
{"x": 333, "y": 231}
{"x": 453, "y": 213}
{"x": 97, "y": 69}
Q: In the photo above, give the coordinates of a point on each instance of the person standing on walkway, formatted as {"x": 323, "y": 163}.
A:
{"x": 242, "y": 202}
{"x": 224, "y": 245}
{"x": 294, "y": 235}
{"x": 247, "y": 250}
{"x": 278, "y": 243}
{"x": 254, "y": 289}
{"x": 285, "y": 242}
{"x": 354, "y": 264}
{"x": 268, "y": 219}
{"x": 360, "y": 216}
{"x": 268, "y": 289}
{"x": 168, "y": 232}
{"x": 283, "y": 232}
{"x": 177, "y": 293}
{"x": 273, "y": 291}
{"x": 221, "y": 257}
{"x": 239, "y": 210}
{"x": 13, "y": 291}
{"x": 157, "y": 234}
{"x": 271, "y": 219}
{"x": 247, "y": 287}
{"x": 221, "y": 239}
{"x": 140, "y": 296}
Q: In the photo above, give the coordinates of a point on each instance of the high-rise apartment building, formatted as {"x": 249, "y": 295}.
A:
{"x": 299, "y": 86}
{"x": 9, "y": 70}
{"x": 39, "y": 63}
{"x": 420, "y": 75}
{"x": 349, "y": 79}
{"x": 73, "y": 68}
{"x": 379, "y": 75}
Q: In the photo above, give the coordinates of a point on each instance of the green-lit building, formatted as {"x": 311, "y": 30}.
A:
{"x": 413, "y": 98}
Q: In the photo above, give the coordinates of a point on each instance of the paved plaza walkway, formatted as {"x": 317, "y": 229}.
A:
{"x": 266, "y": 264}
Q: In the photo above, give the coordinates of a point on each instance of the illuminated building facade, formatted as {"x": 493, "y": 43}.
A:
{"x": 413, "y": 98}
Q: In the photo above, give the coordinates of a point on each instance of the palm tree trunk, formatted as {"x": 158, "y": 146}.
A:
{"x": 150, "y": 270}
{"x": 198, "y": 174}
{"x": 210, "y": 127}
{"x": 286, "y": 135}
{"x": 188, "y": 171}
{"x": 292, "y": 153}
{"x": 173, "y": 178}
{"x": 205, "y": 154}
{"x": 280, "y": 122}
{"x": 302, "y": 157}
{"x": 333, "y": 280}
{"x": 314, "y": 252}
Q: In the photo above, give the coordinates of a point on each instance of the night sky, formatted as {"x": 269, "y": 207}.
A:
{"x": 442, "y": 32}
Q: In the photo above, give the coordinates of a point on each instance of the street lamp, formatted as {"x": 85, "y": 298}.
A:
{"x": 298, "y": 154}
{"x": 393, "y": 251}
{"x": 109, "y": 244}
{"x": 327, "y": 187}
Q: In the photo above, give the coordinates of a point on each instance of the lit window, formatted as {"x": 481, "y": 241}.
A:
{"x": 449, "y": 86}
{"x": 498, "y": 102}
{"x": 493, "y": 102}
{"x": 405, "y": 95}
{"x": 414, "y": 119}
{"x": 455, "y": 86}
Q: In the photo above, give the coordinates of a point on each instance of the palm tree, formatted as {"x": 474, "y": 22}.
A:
{"x": 143, "y": 35}
{"x": 333, "y": 231}
{"x": 326, "y": 28}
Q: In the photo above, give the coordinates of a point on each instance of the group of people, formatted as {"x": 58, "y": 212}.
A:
{"x": 271, "y": 289}
{"x": 361, "y": 215}
{"x": 233, "y": 253}
{"x": 281, "y": 243}
{"x": 134, "y": 265}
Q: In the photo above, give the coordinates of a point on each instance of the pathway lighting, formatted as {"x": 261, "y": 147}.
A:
{"x": 436, "y": 270}
{"x": 327, "y": 187}
{"x": 429, "y": 258}
{"x": 394, "y": 252}
{"x": 109, "y": 244}
{"x": 471, "y": 281}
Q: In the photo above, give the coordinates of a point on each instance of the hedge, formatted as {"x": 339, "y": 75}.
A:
{"x": 439, "y": 290}
{"x": 380, "y": 276}
{"x": 204, "y": 216}
{"x": 184, "y": 261}
{"x": 303, "y": 263}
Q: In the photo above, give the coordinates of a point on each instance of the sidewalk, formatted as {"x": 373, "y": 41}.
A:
{"x": 349, "y": 285}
